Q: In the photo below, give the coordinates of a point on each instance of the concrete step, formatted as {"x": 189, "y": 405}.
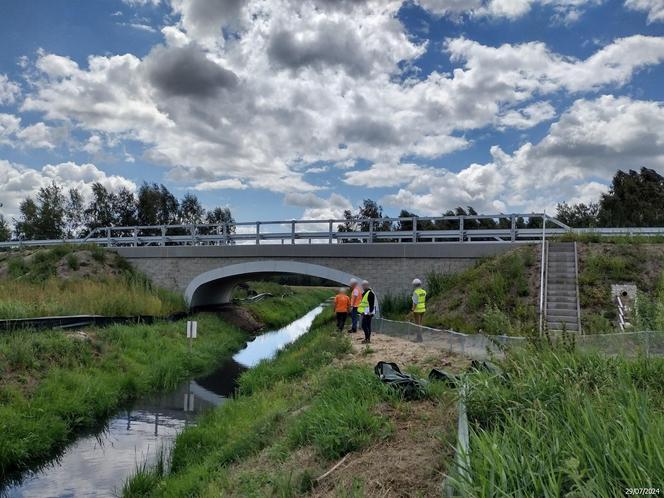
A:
{"x": 561, "y": 246}
{"x": 562, "y": 257}
{"x": 561, "y": 305}
{"x": 558, "y": 287}
{"x": 569, "y": 314}
{"x": 569, "y": 299}
{"x": 562, "y": 280}
{"x": 557, "y": 324}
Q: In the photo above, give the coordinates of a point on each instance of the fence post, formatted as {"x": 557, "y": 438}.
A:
{"x": 108, "y": 237}
{"x": 162, "y": 242}
{"x": 192, "y": 230}
{"x": 293, "y": 232}
{"x": 414, "y": 229}
{"x": 461, "y": 228}
{"x": 513, "y": 228}
{"x": 331, "y": 230}
{"x": 371, "y": 228}
{"x": 258, "y": 232}
{"x": 135, "y": 237}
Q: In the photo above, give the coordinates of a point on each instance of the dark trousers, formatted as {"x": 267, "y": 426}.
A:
{"x": 354, "y": 318}
{"x": 366, "y": 326}
{"x": 341, "y": 320}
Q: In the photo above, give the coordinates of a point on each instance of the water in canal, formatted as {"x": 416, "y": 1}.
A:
{"x": 96, "y": 465}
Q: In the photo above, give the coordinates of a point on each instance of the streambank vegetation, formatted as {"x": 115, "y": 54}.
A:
{"x": 54, "y": 384}
{"x": 315, "y": 421}
{"x": 72, "y": 280}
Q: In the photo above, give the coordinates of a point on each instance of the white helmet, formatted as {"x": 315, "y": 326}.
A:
{"x": 417, "y": 281}
{"x": 365, "y": 283}
{"x": 353, "y": 281}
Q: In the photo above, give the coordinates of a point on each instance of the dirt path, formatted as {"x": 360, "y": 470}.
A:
{"x": 405, "y": 353}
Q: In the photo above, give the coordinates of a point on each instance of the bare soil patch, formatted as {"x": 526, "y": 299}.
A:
{"x": 404, "y": 353}
{"x": 241, "y": 318}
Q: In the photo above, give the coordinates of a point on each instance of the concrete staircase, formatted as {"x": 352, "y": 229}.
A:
{"x": 562, "y": 311}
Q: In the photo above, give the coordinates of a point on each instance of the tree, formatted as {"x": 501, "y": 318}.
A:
{"x": 634, "y": 200}
{"x": 124, "y": 208}
{"x": 74, "y": 214}
{"x": 191, "y": 211}
{"x": 5, "y": 231}
{"x": 219, "y": 216}
{"x": 578, "y": 215}
{"x": 99, "y": 212}
{"x": 45, "y": 217}
{"x": 156, "y": 205}
{"x": 26, "y": 225}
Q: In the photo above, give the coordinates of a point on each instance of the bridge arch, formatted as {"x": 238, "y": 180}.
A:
{"x": 215, "y": 286}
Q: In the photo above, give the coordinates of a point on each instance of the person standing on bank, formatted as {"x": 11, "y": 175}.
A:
{"x": 341, "y": 307}
{"x": 355, "y": 299}
{"x": 419, "y": 301}
{"x": 367, "y": 309}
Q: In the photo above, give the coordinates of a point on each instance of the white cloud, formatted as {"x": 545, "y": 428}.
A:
{"x": 142, "y": 3}
{"x": 528, "y": 116}
{"x": 220, "y": 185}
{"x": 565, "y": 10}
{"x": 319, "y": 208}
{"x": 20, "y": 181}
{"x": 654, "y": 8}
{"x": 9, "y": 125}
{"x": 574, "y": 161}
{"x": 9, "y": 91}
{"x": 41, "y": 136}
{"x": 290, "y": 86}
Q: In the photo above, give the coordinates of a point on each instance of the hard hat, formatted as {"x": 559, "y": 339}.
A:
{"x": 353, "y": 281}
{"x": 417, "y": 281}
{"x": 342, "y": 290}
{"x": 365, "y": 282}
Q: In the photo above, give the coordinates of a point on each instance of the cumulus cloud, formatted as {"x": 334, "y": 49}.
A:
{"x": 9, "y": 91}
{"x": 319, "y": 208}
{"x": 566, "y": 10}
{"x": 574, "y": 161}
{"x": 186, "y": 71}
{"x": 231, "y": 183}
{"x": 654, "y": 8}
{"x": 287, "y": 85}
{"x": 9, "y": 126}
{"x": 20, "y": 181}
{"x": 41, "y": 136}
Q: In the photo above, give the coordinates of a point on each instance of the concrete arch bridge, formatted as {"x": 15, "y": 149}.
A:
{"x": 207, "y": 274}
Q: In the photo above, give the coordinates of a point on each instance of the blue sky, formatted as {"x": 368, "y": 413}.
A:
{"x": 289, "y": 109}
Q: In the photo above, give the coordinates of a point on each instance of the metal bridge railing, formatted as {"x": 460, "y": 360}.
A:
{"x": 476, "y": 228}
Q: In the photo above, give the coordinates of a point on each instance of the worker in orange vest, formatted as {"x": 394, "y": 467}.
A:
{"x": 341, "y": 307}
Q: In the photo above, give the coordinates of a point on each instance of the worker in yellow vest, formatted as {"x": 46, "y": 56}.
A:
{"x": 419, "y": 301}
{"x": 367, "y": 309}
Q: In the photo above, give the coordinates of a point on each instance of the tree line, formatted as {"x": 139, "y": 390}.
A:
{"x": 56, "y": 214}
{"x": 634, "y": 199}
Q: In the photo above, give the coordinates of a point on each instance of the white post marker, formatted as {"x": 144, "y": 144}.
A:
{"x": 192, "y": 332}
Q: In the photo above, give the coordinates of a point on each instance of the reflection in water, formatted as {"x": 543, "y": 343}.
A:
{"x": 97, "y": 465}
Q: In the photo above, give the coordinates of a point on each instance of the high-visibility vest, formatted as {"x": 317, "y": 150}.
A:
{"x": 421, "y": 305}
{"x": 364, "y": 304}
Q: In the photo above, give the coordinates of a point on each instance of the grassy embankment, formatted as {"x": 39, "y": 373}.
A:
{"x": 68, "y": 280}
{"x": 566, "y": 424}
{"x": 497, "y": 296}
{"x": 624, "y": 261}
{"x": 500, "y": 294}
{"x": 295, "y": 417}
{"x": 55, "y": 383}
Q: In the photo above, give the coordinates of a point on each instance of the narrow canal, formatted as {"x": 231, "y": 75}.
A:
{"x": 97, "y": 464}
